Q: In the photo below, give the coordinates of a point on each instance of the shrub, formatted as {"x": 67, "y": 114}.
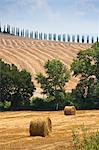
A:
{"x": 87, "y": 142}
{"x": 50, "y": 104}
{"x": 38, "y": 102}
{"x": 43, "y": 104}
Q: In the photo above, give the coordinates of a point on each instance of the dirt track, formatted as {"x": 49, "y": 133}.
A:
{"x": 14, "y": 127}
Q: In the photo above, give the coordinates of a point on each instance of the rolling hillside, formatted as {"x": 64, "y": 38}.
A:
{"x": 31, "y": 54}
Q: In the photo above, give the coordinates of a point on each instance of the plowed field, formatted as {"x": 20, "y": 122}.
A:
{"x": 32, "y": 54}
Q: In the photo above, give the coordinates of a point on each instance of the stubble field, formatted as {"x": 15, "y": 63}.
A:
{"x": 14, "y": 129}
{"x": 31, "y": 54}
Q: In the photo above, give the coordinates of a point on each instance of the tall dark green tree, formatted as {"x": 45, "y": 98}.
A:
{"x": 87, "y": 38}
{"x": 8, "y": 29}
{"x": 50, "y": 36}
{"x": 5, "y": 81}
{"x": 15, "y": 86}
{"x": 0, "y": 27}
{"x": 78, "y": 38}
{"x": 59, "y": 37}
{"x": 4, "y": 31}
{"x": 73, "y": 38}
{"x": 64, "y": 37}
{"x": 68, "y": 38}
{"x": 54, "y": 37}
{"x": 97, "y": 39}
{"x": 53, "y": 83}
{"x": 86, "y": 66}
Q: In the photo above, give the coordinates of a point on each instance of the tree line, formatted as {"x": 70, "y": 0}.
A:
{"x": 16, "y": 85}
{"x": 43, "y": 36}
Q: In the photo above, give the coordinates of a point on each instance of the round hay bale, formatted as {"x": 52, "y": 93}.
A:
{"x": 69, "y": 110}
{"x": 40, "y": 127}
{"x": 49, "y": 124}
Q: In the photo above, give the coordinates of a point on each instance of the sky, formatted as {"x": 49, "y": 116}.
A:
{"x": 52, "y": 16}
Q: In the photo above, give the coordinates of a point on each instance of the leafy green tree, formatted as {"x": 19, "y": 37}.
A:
{"x": 15, "y": 86}
{"x": 54, "y": 81}
{"x": 86, "y": 66}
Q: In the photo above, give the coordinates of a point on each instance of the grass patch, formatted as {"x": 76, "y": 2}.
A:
{"x": 85, "y": 140}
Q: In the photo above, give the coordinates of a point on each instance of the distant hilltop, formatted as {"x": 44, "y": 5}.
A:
{"x": 7, "y": 29}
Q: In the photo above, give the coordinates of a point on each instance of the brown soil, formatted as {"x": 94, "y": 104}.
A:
{"x": 14, "y": 129}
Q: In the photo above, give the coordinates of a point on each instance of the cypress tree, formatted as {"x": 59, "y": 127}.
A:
{"x": 73, "y": 38}
{"x": 0, "y": 27}
{"x": 68, "y": 38}
{"x": 8, "y": 29}
{"x": 54, "y": 37}
{"x": 27, "y": 33}
{"x": 88, "y": 39}
{"x": 50, "y": 36}
{"x": 78, "y": 38}
{"x": 83, "y": 39}
{"x": 36, "y": 35}
{"x": 41, "y": 36}
{"x": 4, "y": 31}
{"x": 59, "y": 37}
{"x": 97, "y": 39}
{"x": 21, "y": 33}
{"x": 64, "y": 38}
{"x": 45, "y": 36}
{"x": 18, "y": 32}
{"x": 92, "y": 39}
{"x": 13, "y": 30}
{"x": 31, "y": 34}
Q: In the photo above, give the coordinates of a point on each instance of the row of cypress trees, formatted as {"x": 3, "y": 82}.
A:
{"x": 43, "y": 36}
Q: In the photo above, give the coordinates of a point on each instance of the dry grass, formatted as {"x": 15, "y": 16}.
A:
{"x": 32, "y": 54}
{"x": 14, "y": 129}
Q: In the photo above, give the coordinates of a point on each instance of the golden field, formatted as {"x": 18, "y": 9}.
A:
{"x": 32, "y": 54}
{"x": 14, "y": 129}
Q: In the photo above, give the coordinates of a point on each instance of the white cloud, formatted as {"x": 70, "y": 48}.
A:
{"x": 47, "y": 9}
{"x": 41, "y": 3}
{"x": 86, "y": 7}
{"x": 35, "y": 6}
{"x": 80, "y": 13}
{"x": 88, "y": 4}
